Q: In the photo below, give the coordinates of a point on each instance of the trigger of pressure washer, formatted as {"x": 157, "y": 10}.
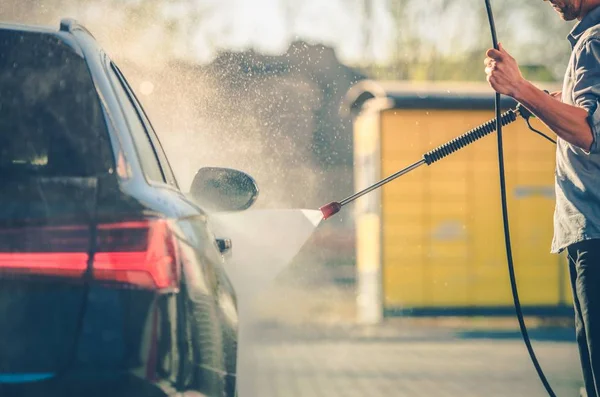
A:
{"x": 524, "y": 112}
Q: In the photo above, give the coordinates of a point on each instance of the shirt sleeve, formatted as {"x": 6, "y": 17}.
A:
{"x": 586, "y": 89}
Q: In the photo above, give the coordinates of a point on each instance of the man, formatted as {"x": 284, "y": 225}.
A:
{"x": 575, "y": 117}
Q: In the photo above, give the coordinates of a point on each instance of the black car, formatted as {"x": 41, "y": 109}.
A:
{"x": 111, "y": 283}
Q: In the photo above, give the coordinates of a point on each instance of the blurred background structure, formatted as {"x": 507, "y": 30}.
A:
{"x": 259, "y": 85}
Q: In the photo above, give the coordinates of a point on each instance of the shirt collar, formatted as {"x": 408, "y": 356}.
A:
{"x": 591, "y": 19}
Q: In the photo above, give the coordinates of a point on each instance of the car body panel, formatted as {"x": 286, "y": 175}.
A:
{"x": 130, "y": 341}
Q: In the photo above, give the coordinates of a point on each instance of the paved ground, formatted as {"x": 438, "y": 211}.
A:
{"x": 304, "y": 344}
{"x": 423, "y": 365}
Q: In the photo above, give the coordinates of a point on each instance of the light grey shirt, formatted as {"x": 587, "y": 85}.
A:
{"x": 577, "y": 212}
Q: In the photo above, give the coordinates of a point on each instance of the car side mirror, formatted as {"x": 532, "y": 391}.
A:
{"x": 223, "y": 189}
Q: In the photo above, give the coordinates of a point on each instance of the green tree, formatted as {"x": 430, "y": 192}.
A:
{"x": 531, "y": 31}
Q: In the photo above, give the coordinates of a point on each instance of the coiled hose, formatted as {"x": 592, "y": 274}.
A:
{"x": 467, "y": 138}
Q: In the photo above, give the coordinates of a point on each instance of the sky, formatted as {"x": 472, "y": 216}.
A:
{"x": 360, "y": 30}
{"x": 204, "y": 27}
{"x": 270, "y": 25}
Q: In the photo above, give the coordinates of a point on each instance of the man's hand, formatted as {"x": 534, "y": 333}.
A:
{"x": 568, "y": 122}
{"x": 502, "y": 72}
{"x": 557, "y": 95}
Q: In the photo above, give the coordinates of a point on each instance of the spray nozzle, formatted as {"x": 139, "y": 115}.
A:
{"x": 330, "y": 209}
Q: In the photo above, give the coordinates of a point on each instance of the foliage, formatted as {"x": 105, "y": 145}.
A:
{"x": 447, "y": 39}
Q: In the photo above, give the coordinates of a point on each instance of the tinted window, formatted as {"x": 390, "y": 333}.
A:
{"x": 146, "y": 152}
{"x": 51, "y": 121}
{"x": 162, "y": 158}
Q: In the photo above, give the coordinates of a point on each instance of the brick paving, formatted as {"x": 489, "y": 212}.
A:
{"x": 297, "y": 350}
{"x": 283, "y": 363}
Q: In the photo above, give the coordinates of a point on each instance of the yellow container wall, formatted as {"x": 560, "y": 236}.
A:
{"x": 443, "y": 242}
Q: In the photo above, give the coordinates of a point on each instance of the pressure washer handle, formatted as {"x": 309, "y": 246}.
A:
{"x": 468, "y": 138}
{"x": 429, "y": 158}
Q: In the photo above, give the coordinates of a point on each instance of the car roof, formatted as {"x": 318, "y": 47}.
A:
{"x": 65, "y": 32}
{"x": 67, "y": 25}
{"x": 26, "y": 28}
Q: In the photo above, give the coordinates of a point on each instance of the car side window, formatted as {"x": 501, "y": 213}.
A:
{"x": 162, "y": 158}
{"x": 146, "y": 152}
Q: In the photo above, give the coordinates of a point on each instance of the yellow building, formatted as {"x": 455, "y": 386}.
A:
{"x": 431, "y": 242}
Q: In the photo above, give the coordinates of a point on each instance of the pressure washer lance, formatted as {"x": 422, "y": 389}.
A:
{"x": 437, "y": 154}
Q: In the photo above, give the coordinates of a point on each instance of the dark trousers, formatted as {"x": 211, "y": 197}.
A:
{"x": 584, "y": 267}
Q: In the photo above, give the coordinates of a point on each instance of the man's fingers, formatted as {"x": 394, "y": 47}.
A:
{"x": 506, "y": 53}
{"x": 494, "y": 54}
{"x": 488, "y": 61}
{"x": 493, "y": 81}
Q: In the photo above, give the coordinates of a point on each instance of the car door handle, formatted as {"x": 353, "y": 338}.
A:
{"x": 224, "y": 245}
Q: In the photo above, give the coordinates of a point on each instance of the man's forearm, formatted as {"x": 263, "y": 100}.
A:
{"x": 567, "y": 121}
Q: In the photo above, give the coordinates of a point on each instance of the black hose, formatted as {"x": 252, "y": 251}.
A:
{"x": 509, "y": 257}
{"x": 540, "y": 133}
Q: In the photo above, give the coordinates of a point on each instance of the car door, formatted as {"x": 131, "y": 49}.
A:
{"x": 210, "y": 307}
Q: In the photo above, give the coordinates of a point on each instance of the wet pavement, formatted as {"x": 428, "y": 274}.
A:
{"x": 305, "y": 344}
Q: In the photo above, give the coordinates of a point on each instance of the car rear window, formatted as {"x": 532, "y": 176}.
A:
{"x": 51, "y": 121}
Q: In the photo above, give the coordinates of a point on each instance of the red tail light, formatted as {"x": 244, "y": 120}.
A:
{"x": 139, "y": 254}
